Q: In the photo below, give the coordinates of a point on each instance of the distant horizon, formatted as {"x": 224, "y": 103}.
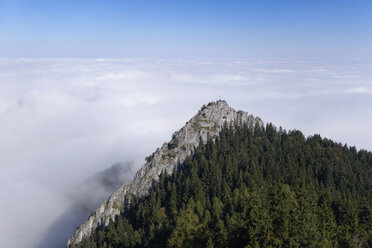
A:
{"x": 86, "y": 84}
{"x": 195, "y": 59}
{"x": 208, "y": 29}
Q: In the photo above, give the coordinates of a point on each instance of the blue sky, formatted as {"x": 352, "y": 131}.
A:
{"x": 293, "y": 63}
{"x": 321, "y": 29}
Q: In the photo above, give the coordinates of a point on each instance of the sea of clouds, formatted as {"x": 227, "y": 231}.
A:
{"x": 64, "y": 120}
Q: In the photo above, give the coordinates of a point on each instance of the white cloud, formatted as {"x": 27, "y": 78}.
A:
{"x": 359, "y": 90}
{"x": 264, "y": 70}
{"x": 61, "y": 120}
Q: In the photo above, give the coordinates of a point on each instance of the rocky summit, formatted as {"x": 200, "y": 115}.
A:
{"x": 208, "y": 122}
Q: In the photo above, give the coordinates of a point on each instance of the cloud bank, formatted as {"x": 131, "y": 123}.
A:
{"x": 62, "y": 120}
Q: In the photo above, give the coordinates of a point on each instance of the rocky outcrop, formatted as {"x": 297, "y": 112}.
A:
{"x": 207, "y": 122}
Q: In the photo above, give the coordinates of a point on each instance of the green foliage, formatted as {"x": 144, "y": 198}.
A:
{"x": 254, "y": 188}
{"x": 149, "y": 158}
{"x": 173, "y": 144}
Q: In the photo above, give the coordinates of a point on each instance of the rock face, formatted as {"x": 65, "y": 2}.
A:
{"x": 207, "y": 122}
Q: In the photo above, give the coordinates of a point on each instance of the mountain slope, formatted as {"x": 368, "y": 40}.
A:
{"x": 208, "y": 122}
{"x": 254, "y": 187}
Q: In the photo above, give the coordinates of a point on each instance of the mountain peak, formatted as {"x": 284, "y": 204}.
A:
{"x": 217, "y": 105}
{"x": 208, "y": 122}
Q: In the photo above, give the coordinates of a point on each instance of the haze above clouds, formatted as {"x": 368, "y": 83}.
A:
{"x": 63, "y": 120}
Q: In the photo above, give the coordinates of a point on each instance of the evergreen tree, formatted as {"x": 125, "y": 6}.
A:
{"x": 254, "y": 188}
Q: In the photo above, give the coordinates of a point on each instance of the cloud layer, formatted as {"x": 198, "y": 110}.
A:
{"x": 62, "y": 120}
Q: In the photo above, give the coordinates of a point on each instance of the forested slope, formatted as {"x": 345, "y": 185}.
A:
{"x": 254, "y": 188}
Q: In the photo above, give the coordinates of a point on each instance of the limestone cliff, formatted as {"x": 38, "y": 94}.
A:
{"x": 208, "y": 121}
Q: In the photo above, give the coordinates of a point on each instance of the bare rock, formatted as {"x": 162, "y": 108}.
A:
{"x": 208, "y": 122}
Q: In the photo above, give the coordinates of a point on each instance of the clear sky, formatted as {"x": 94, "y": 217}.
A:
{"x": 317, "y": 29}
{"x": 302, "y": 64}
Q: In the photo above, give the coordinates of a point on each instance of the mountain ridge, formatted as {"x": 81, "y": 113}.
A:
{"x": 208, "y": 122}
